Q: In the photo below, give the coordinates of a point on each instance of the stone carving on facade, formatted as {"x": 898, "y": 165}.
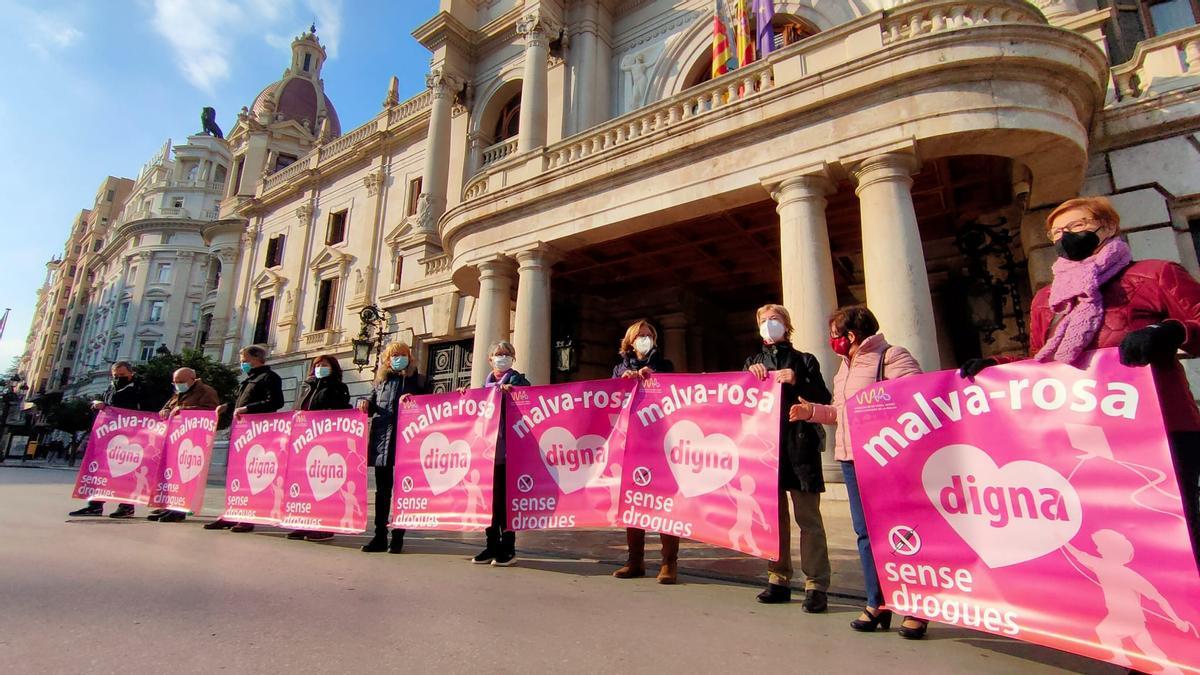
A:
{"x": 537, "y": 29}
{"x": 393, "y": 94}
{"x": 442, "y": 84}
{"x": 635, "y": 75}
{"x": 426, "y": 221}
{"x": 373, "y": 181}
{"x": 304, "y": 214}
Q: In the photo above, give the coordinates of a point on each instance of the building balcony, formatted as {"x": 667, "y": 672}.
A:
{"x": 1159, "y": 65}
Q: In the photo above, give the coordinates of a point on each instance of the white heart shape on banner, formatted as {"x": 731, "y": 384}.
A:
{"x": 123, "y": 455}
{"x": 990, "y": 506}
{"x": 574, "y": 463}
{"x": 445, "y": 464}
{"x": 262, "y": 466}
{"x": 700, "y": 463}
{"x": 191, "y": 460}
{"x": 326, "y": 472}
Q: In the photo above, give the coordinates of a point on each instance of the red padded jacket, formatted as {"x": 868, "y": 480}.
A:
{"x": 1146, "y": 292}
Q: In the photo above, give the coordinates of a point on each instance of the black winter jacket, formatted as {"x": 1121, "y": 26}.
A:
{"x": 384, "y": 407}
{"x": 260, "y": 392}
{"x": 322, "y": 394}
{"x": 131, "y": 396}
{"x": 655, "y": 360}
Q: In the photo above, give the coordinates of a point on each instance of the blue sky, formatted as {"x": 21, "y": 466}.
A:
{"x": 91, "y": 89}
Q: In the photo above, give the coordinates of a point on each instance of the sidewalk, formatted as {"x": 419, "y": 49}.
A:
{"x": 608, "y": 546}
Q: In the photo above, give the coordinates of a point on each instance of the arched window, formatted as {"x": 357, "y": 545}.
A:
{"x": 788, "y": 31}
{"x": 508, "y": 122}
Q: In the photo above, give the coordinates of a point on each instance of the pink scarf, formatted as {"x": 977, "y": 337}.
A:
{"x": 1075, "y": 294}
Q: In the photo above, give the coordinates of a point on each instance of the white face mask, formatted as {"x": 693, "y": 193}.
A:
{"x": 643, "y": 345}
{"x": 771, "y": 330}
{"x": 502, "y": 362}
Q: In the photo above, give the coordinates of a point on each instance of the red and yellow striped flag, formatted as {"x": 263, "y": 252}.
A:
{"x": 744, "y": 36}
{"x": 720, "y": 45}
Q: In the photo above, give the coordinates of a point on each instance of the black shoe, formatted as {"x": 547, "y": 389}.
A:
{"x": 172, "y": 517}
{"x": 87, "y": 511}
{"x": 881, "y": 618}
{"x": 318, "y": 536}
{"x": 123, "y": 511}
{"x": 378, "y": 544}
{"x": 815, "y": 602}
{"x": 397, "y": 545}
{"x": 775, "y": 594}
{"x": 242, "y": 527}
{"x": 156, "y": 514}
{"x": 505, "y": 559}
{"x": 485, "y": 556}
{"x": 296, "y": 534}
{"x": 218, "y": 524}
{"x": 913, "y": 633}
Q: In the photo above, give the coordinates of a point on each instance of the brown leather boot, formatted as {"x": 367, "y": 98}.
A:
{"x": 669, "y": 572}
{"x": 635, "y": 566}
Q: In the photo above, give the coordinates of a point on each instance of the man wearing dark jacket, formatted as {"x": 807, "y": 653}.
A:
{"x": 126, "y": 391}
{"x": 261, "y": 392}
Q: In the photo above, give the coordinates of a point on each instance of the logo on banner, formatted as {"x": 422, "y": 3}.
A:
{"x": 574, "y": 463}
{"x": 191, "y": 460}
{"x": 445, "y": 464}
{"x": 699, "y": 463}
{"x": 407, "y": 484}
{"x": 642, "y": 476}
{"x": 262, "y": 466}
{"x": 1007, "y": 515}
{"x": 326, "y": 472}
{"x": 525, "y": 482}
{"x": 123, "y": 455}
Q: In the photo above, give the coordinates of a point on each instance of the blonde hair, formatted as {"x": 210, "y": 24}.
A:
{"x": 385, "y": 359}
{"x": 631, "y": 334}
{"x": 1097, "y": 207}
{"x": 772, "y": 307}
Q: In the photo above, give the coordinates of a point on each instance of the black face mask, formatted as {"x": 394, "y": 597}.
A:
{"x": 1077, "y": 245}
{"x": 121, "y": 381}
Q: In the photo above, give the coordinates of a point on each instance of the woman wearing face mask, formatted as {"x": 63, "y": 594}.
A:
{"x": 640, "y": 359}
{"x": 1149, "y": 310}
{"x": 867, "y": 358}
{"x": 501, "y": 550}
{"x": 800, "y": 476}
{"x": 396, "y": 381}
{"x": 324, "y": 390}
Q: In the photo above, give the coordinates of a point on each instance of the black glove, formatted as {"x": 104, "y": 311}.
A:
{"x": 972, "y": 367}
{"x": 1152, "y": 344}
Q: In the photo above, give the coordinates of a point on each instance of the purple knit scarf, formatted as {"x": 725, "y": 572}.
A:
{"x": 1075, "y": 294}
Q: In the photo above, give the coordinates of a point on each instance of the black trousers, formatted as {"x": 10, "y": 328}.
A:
{"x": 1185, "y": 447}
{"x": 499, "y": 537}
{"x": 385, "y": 478}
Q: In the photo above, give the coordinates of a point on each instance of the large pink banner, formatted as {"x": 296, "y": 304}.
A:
{"x": 327, "y": 472}
{"x": 565, "y": 445}
{"x": 702, "y": 461}
{"x": 256, "y": 467}
{"x": 445, "y": 455}
{"x": 1038, "y": 502}
{"x": 183, "y": 472}
{"x": 122, "y": 456}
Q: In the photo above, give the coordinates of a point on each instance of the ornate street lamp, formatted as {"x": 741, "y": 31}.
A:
{"x": 566, "y": 357}
{"x": 373, "y": 321}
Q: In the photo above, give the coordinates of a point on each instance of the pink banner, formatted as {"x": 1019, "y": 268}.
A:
{"x": 702, "y": 461}
{"x": 327, "y": 472}
{"x": 445, "y": 455}
{"x": 1038, "y": 502}
{"x": 256, "y": 467}
{"x": 122, "y": 456}
{"x": 565, "y": 446}
{"x": 183, "y": 472}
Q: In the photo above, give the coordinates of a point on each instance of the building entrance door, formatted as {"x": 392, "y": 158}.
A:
{"x": 450, "y": 366}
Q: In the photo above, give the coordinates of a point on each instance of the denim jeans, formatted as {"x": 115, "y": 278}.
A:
{"x": 874, "y": 592}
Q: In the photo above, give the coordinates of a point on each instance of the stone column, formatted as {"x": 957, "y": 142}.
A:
{"x": 585, "y": 89}
{"x": 137, "y": 296}
{"x": 531, "y": 334}
{"x": 431, "y": 203}
{"x": 893, "y": 257}
{"x": 807, "y": 265}
{"x": 491, "y": 312}
{"x": 219, "y": 329}
{"x": 674, "y": 340}
{"x": 536, "y": 31}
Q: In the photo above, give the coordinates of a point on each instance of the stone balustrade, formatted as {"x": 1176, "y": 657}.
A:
{"x": 436, "y": 265}
{"x": 915, "y": 19}
{"x": 498, "y": 151}
{"x": 1160, "y": 64}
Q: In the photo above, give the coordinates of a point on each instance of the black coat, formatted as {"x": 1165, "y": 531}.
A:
{"x": 130, "y": 397}
{"x": 384, "y": 408}
{"x": 800, "y": 442}
{"x": 655, "y": 360}
{"x": 516, "y": 379}
{"x": 322, "y": 394}
{"x": 260, "y": 392}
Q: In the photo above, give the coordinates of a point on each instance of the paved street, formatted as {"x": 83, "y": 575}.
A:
{"x": 106, "y": 596}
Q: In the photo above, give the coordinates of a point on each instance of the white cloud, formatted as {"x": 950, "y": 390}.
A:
{"x": 45, "y": 32}
{"x": 328, "y": 15}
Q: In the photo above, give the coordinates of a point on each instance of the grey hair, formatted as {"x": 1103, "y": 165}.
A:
{"x": 502, "y": 344}
{"x": 255, "y": 352}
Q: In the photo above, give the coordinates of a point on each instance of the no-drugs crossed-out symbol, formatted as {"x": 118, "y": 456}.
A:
{"x": 236, "y": 485}
{"x": 904, "y": 540}
{"x": 169, "y": 473}
{"x": 641, "y": 476}
{"x": 525, "y": 483}
{"x": 407, "y": 484}
{"x": 94, "y": 466}
{"x": 295, "y": 490}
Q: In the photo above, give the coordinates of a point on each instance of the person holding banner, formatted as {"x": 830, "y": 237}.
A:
{"x": 324, "y": 390}
{"x": 641, "y": 359}
{"x": 867, "y": 358}
{"x": 800, "y": 474}
{"x": 190, "y": 394}
{"x": 396, "y": 381}
{"x": 125, "y": 391}
{"x": 261, "y": 392}
{"x": 1149, "y": 310}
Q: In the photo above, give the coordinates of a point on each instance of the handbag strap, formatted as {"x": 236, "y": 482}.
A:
{"x": 879, "y": 375}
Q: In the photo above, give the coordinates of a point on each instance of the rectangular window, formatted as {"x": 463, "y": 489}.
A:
{"x": 162, "y": 274}
{"x": 262, "y": 323}
{"x": 336, "y": 233}
{"x": 414, "y": 193}
{"x": 145, "y": 350}
{"x": 157, "y": 307}
{"x": 237, "y": 175}
{"x": 97, "y": 245}
{"x": 114, "y": 350}
{"x": 326, "y": 299}
{"x": 274, "y": 251}
{"x": 283, "y": 161}
{"x": 307, "y": 61}
{"x": 78, "y": 322}
{"x": 66, "y": 377}
{"x": 123, "y": 313}
{"x": 1171, "y": 15}
{"x": 398, "y": 271}
{"x": 108, "y": 197}
{"x": 177, "y": 202}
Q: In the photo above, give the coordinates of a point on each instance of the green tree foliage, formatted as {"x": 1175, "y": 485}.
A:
{"x": 156, "y": 375}
{"x": 71, "y": 415}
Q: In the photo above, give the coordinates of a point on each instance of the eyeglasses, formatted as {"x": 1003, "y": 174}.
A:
{"x": 1074, "y": 226}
